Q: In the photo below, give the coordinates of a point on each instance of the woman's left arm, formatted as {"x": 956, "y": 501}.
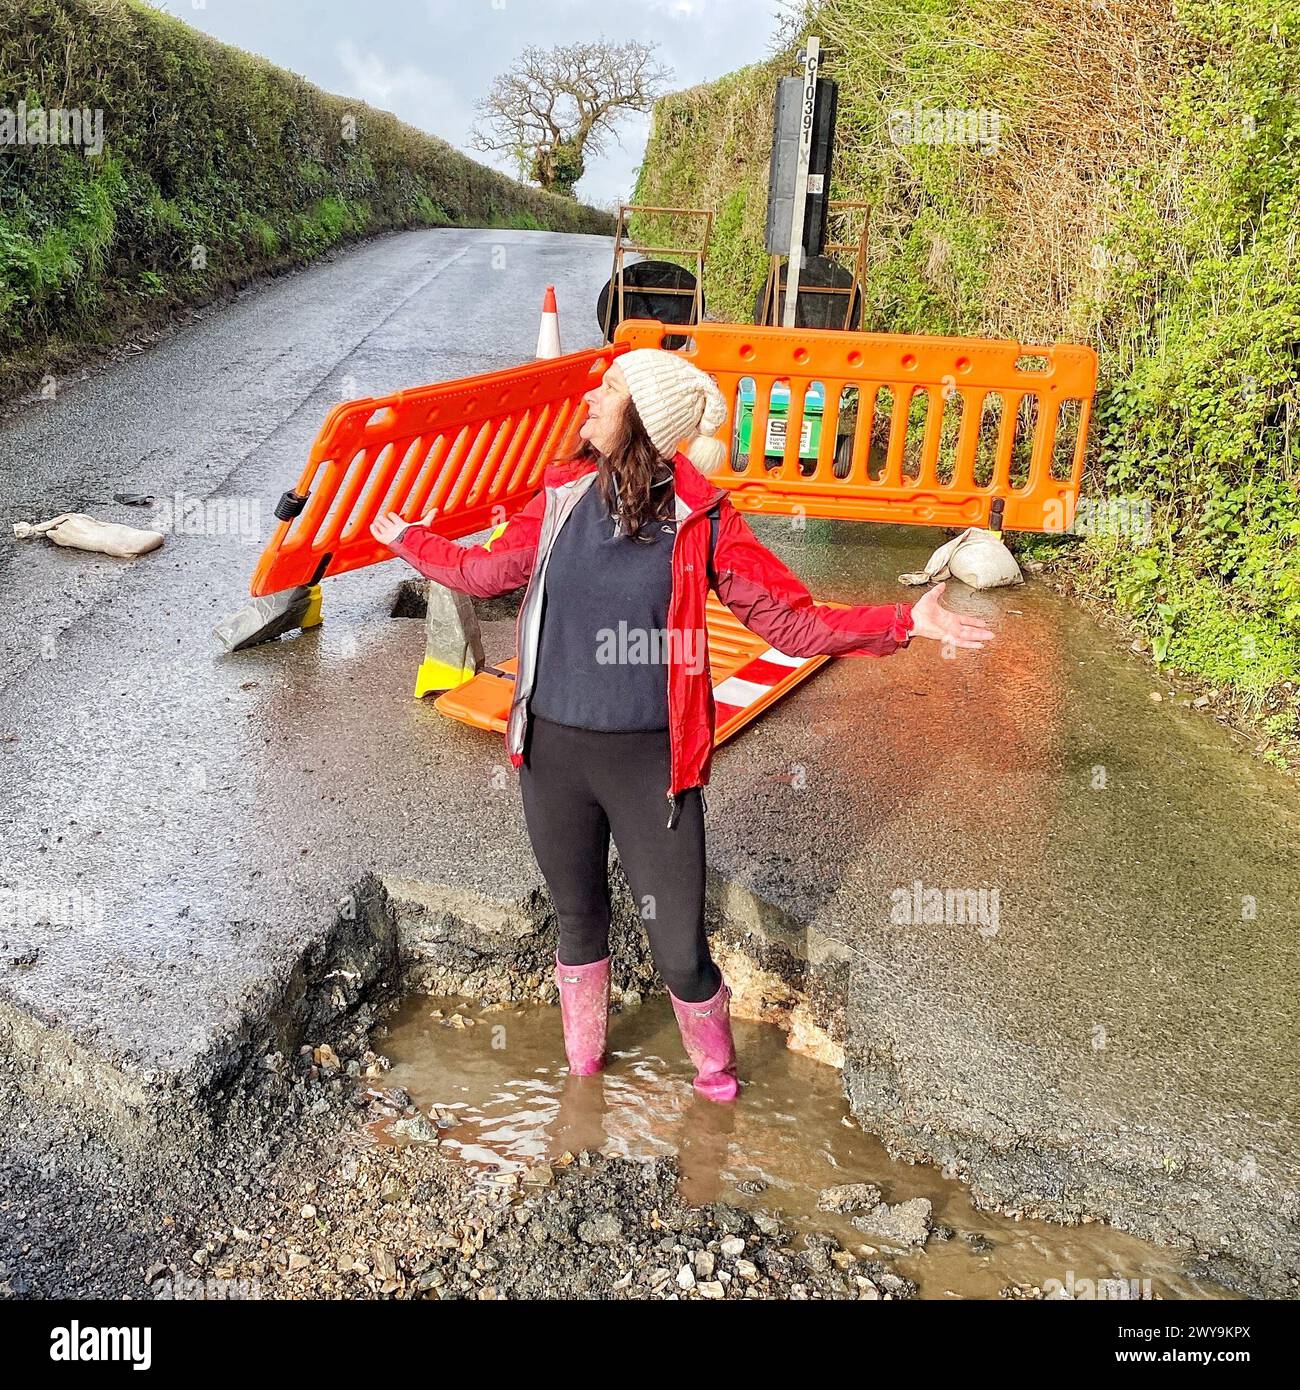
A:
{"x": 766, "y": 595}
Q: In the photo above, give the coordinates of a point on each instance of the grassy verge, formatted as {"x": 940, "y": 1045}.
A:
{"x": 1141, "y": 195}
{"x": 214, "y": 167}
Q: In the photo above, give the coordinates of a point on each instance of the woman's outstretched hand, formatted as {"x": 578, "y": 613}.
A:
{"x": 386, "y": 528}
{"x": 931, "y": 619}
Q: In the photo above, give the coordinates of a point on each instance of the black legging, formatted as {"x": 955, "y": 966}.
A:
{"x": 577, "y": 786}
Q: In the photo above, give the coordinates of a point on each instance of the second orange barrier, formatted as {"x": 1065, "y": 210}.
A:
{"x": 926, "y": 431}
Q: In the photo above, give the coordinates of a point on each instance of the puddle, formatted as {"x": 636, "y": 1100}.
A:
{"x": 502, "y": 1073}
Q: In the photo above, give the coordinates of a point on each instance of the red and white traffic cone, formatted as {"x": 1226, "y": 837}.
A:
{"x": 548, "y": 337}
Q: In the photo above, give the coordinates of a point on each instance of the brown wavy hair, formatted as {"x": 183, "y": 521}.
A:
{"x": 624, "y": 476}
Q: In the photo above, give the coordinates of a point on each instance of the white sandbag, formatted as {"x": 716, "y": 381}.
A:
{"x": 82, "y": 532}
{"x": 977, "y": 557}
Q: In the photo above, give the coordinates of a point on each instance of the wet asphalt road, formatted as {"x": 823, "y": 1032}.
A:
{"x": 1132, "y": 1003}
{"x": 222, "y": 806}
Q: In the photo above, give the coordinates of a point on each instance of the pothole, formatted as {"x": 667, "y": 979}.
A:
{"x": 411, "y": 601}
{"x": 492, "y": 1088}
{"x": 464, "y": 988}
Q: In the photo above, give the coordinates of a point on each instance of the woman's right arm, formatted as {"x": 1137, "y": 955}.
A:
{"x": 482, "y": 571}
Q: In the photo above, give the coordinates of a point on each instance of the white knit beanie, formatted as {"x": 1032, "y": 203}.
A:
{"x": 676, "y": 401}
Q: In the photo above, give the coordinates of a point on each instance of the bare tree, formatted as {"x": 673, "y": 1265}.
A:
{"x": 556, "y": 107}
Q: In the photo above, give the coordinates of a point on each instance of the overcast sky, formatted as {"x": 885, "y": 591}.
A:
{"x": 428, "y": 61}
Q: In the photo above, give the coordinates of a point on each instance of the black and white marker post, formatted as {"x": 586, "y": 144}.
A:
{"x": 811, "y": 64}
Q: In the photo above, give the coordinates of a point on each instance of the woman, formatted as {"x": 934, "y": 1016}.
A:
{"x": 613, "y": 705}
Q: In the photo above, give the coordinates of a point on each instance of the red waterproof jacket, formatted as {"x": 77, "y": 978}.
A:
{"x": 753, "y": 582}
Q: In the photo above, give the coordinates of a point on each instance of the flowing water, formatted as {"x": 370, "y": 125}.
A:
{"x": 789, "y": 1136}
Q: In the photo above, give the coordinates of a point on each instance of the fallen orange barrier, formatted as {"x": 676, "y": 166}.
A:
{"x": 748, "y": 676}
{"x": 922, "y": 430}
{"x": 474, "y": 449}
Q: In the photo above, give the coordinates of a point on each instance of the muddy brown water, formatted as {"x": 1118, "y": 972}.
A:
{"x": 502, "y": 1073}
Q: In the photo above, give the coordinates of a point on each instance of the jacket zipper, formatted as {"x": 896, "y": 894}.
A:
{"x": 674, "y": 802}
{"x": 534, "y": 595}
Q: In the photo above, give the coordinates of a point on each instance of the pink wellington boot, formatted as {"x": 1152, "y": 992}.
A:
{"x": 706, "y": 1035}
{"x": 584, "y": 1011}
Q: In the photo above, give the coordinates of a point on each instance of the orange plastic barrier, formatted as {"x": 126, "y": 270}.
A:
{"x": 748, "y": 676}
{"x": 892, "y": 427}
{"x": 474, "y": 449}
